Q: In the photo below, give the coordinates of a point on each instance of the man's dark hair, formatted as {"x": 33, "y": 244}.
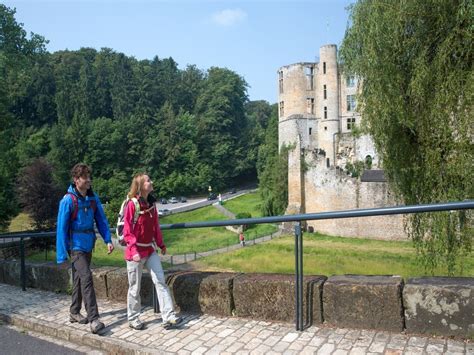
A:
{"x": 80, "y": 170}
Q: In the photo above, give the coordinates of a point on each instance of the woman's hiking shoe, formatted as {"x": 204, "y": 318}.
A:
{"x": 96, "y": 326}
{"x": 77, "y": 318}
{"x": 136, "y": 324}
{"x": 172, "y": 323}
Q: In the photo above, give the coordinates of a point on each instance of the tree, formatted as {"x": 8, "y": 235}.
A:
{"x": 416, "y": 61}
{"x": 272, "y": 168}
{"x": 17, "y": 56}
{"x": 39, "y": 194}
{"x": 221, "y": 123}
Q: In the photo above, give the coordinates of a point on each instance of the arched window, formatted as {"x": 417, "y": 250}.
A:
{"x": 368, "y": 162}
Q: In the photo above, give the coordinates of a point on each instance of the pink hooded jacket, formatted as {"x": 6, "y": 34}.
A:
{"x": 144, "y": 232}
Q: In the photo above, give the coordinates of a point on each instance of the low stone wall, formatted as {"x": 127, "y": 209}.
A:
{"x": 369, "y": 302}
{"x": 440, "y": 305}
{"x": 433, "y": 305}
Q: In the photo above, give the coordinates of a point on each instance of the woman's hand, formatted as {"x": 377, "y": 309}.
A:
{"x": 136, "y": 258}
{"x": 163, "y": 250}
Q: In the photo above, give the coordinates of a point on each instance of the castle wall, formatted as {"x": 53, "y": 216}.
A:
{"x": 296, "y": 188}
{"x": 327, "y": 190}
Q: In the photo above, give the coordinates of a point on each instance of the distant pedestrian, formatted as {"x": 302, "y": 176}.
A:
{"x": 75, "y": 237}
{"x": 141, "y": 233}
{"x": 242, "y": 239}
{"x": 220, "y": 199}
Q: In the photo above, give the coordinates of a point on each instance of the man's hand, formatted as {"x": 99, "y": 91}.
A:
{"x": 163, "y": 250}
{"x": 136, "y": 258}
{"x": 110, "y": 248}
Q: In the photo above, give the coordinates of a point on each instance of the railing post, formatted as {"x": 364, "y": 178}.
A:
{"x": 22, "y": 263}
{"x": 297, "y": 274}
{"x": 300, "y": 258}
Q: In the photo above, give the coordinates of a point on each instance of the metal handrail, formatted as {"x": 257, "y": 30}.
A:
{"x": 435, "y": 207}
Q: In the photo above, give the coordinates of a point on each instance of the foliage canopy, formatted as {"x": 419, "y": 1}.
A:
{"x": 187, "y": 128}
{"x": 416, "y": 61}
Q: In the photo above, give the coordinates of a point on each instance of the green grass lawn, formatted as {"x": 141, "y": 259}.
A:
{"x": 323, "y": 255}
{"x": 99, "y": 256}
{"x": 180, "y": 241}
{"x": 177, "y": 241}
{"x": 250, "y": 203}
{"x": 21, "y": 223}
{"x": 328, "y": 256}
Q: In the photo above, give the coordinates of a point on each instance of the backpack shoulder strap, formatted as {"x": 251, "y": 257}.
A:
{"x": 137, "y": 209}
{"x": 93, "y": 204}
{"x": 76, "y": 206}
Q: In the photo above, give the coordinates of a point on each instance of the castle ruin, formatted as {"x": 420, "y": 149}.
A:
{"x": 318, "y": 120}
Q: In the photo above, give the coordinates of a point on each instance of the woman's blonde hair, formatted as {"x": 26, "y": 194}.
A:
{"x": 137, "y": 185}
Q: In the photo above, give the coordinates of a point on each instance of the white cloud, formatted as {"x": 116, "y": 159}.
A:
{"x": 229, "y": 17}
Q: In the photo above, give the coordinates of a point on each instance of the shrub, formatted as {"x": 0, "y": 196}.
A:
{"x": 39, "y": 194}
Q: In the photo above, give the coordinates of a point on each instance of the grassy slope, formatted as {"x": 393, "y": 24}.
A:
{"x": 197, "y": 239}
{"x": 250, "y": 203}
{"x": 328, "y": 256}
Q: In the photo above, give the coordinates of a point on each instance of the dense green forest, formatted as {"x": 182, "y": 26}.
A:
{"x": 188, "y": 128}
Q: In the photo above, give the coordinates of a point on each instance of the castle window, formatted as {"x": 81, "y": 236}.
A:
{"x": 310, "y": 129}
{"x": 350, "y": 81}
{"x": 309, "y": 77}
{"x": 325, "y": 112}
{"x": 351, "y": 123}
{"x": 310, "y": 105}
{"x": 324, "y": 67}
{"x": 280, "y": 81}
{"x": 351, "y": 103}
{"x": 282, "y": 108}
{"x": 325, "y": 128}
{"x": 325, "y": 92}
{"x": 328, "y": 162}
{"x": 368, "y": 162}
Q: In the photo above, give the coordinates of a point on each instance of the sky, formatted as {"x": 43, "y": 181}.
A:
{"x": 252, "y": 38}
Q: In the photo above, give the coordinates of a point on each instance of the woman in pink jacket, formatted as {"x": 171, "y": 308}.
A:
{"x": 141, "y": 233}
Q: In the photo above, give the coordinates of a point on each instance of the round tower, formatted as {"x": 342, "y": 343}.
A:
{"x": 296, "y": 103}
{"x": 327, "y": 92}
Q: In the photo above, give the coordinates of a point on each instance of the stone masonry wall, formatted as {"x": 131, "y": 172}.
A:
{"x": 433, "y": 305}
{"x": 328, "y": 190}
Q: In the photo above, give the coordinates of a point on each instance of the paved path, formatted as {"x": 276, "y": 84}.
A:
{"x": 47, "y": 312}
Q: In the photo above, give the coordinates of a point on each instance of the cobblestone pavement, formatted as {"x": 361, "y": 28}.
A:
{"x": 47, "y": 313}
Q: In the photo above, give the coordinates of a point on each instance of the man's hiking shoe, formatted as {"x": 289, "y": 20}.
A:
{"x": 136, "y": 324}
{"x": 173, "y": 323}
{"x": 77, "y": 318}
{"x": 96, "y": 326}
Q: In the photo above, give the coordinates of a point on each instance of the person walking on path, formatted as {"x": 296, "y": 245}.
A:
{"x": 242, "y": 239}
{"x": 141, "y": 231}
{"x": 75, "y": 237}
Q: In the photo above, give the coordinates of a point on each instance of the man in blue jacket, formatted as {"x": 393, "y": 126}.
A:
{"x": 75, "y": 237}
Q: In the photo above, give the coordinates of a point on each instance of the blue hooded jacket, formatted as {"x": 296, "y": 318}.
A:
{"x": 79, "y": 234}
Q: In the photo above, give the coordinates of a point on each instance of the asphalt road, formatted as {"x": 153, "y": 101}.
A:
{"x": 14, "y": 342}
{"x": 193, "y": 204}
